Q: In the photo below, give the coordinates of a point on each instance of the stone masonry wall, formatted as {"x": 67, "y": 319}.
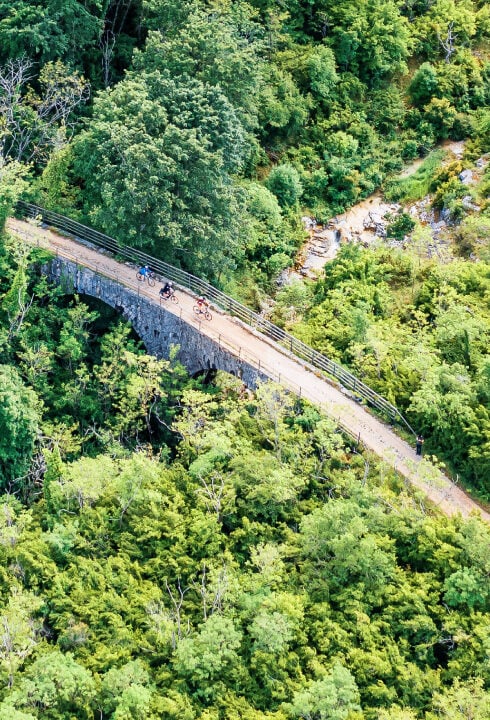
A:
{"x": 158, "y": 328}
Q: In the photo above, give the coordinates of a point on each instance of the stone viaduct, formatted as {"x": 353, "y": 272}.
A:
{"x": 159, "y": 329}
{"x": 224, "y": 344}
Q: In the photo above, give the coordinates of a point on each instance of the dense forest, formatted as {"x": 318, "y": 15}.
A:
{"x": 202, "y": 131}
{"x": 177, "y": 547}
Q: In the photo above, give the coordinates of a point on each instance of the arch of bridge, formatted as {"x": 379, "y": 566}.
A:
{"x": 159, "y": 329}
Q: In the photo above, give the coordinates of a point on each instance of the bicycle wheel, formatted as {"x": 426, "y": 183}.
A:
{"x": 208, "y": 315}
{"x": 197, "y": 309}
{"x": 151, "y": 280}
{"x": 174, "y": 298}
{"x": 139, "y": 276}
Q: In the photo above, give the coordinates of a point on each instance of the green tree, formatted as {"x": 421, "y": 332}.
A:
{"x": 448, "y": 25}
{"x": 222, "y": 49}
{"x": 172, "y": 194}
{"x": 31, "y": 122}
{"x": 125, "y": 692}
{"x": 462, "y": 701}
{"x": 50, "y": 29}
{"x": 369, "y": 38}
{"x": 14, "y": 305}
{"x": 341, "y": 550}
{"x": 56, "y": 686}
{"x": 283, "y": 111}
{"x": 7, "y": 712}
{"x": 209, "y": 659}
{"x": 284, "y": 181}
{"x": 20, "y": 631}
{"x": 466, "y": 588}
{"x": 442, "y": 115}
{"x": 424, "y": 84}
{"x": 52, "y": 189}
{"x": 19, "y": 421}
{"x": 333, "y": 697}
{"x": 322, "y": 74}
{"x": 12, "y": 183}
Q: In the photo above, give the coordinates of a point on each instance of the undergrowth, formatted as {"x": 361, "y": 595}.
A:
{"x": 416, "y": 186}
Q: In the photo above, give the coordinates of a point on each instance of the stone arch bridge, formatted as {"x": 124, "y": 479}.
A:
{"x": 158, "y": 327}
{"x": 231, "y": 344}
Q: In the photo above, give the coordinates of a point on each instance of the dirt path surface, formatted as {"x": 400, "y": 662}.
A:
{"x": 289, "y": 371}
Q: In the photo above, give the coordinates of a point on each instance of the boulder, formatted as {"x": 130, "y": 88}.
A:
{"x": 309, "y": 223}
{"x": 466, "y": 177}
{"x": 468, "y": 204}
{"x": 438, "y": 226}
{"x": 376, "y": 223}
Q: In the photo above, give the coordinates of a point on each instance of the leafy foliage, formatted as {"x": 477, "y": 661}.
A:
{"x": 190, "y": 550}
{"x": 18, "y": 426}
{"x": 195, "y": 551}
{"x": 172, "y": 194}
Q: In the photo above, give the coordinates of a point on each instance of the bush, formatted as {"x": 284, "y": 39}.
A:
{"x": 418, "y": 184}
{"x": 285, "y": 183}
{"x": 441, "y": 115}
{"x": 400, "y": 226}
{"x": 424, "y": 85}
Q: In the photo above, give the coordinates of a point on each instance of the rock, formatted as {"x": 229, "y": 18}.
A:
{"x": 371, "y": 220}
{"x": 466, "y": 177}
{"x": 376, "y": 223}
{"x": 438, "y": 226}
{"x": 283, "y": 278}
{"x": 481, "y": 162}
{"x": 392, "y": 243}
{"x": 427, "y": 217}
{"x": 468, "y": 204}
{"x": 309, "y": 223}
{"x": 322, "y": 234}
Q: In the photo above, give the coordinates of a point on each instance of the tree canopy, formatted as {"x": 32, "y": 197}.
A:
{"x": 177, "y": 547}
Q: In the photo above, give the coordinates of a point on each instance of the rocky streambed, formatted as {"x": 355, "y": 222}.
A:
{"x": 367, "y": 221}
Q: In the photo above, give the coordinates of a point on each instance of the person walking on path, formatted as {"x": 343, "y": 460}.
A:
{"x": 418, "y": 444}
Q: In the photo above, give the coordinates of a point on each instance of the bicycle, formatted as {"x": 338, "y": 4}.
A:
{"x": 201, "y": 311}
{"x": 169, "y": 296}
{"x": 149, "y": 277}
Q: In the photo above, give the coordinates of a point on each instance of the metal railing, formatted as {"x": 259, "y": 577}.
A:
{"x": 297, "y": 348}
